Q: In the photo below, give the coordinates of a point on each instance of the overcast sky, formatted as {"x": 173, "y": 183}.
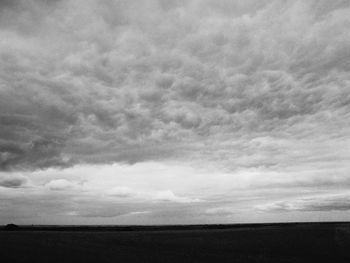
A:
{"x": 165, "y": 111}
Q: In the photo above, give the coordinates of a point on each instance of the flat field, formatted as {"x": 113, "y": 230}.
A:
{"x": 309, "y": 242}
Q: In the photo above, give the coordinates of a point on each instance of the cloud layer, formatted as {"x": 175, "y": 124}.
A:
{"x": 254, "y": 93}
{"x": 335, "y": 202}
{"x": 128, "y": 81}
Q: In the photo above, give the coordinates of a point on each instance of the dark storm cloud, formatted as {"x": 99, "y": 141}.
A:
{"x": 40, "y": 153}
{"x": 129, "y": 81}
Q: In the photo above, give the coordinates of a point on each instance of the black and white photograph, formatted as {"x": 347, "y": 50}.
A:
{"x": 174, "y": 131}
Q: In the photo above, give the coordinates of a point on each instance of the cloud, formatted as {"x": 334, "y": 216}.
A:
{"x": 184, "y": 83}
{"x": 13, "y": 181}
{"x": 327, "y": 203}
{"x": 149, "y": 195}
{"x": 139, "y": 213}
{"x": 221, "y": 211}
{"x": 61, "y": 185}
{"x": 121, "y": 191}
{"x": 106, "y": 194}
{"x": 169, "y": 196}
{"x": 174, "y": 102}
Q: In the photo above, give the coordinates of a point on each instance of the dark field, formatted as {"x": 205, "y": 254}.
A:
{"x": 312, "y": 242}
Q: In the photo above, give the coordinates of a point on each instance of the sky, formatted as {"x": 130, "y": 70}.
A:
{"x": 174, "y": 111}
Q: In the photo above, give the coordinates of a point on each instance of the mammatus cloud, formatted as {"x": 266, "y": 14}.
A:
{"x": 259, "y": 83}
{"x": 204, "y": 109}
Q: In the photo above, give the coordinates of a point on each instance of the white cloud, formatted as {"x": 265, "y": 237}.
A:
{"x": 61, "y": 185}
{"x": 121, "y": 191}
{"x": 169, "y": 196}
{"x": 138, "y": 213}
{"x": 326, "y": 202}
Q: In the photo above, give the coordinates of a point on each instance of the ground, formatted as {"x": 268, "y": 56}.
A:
{"x": 251, "y": 243}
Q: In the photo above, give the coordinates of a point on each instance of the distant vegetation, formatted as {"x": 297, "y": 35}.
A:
{"x": 252, "y": 243}
{"x": 11, "y": 227}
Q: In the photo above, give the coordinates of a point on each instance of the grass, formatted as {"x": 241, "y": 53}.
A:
{"x": 251, "y": 243}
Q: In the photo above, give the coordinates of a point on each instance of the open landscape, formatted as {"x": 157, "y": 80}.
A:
{"x": 174, "y": 131}
{"x": 293, "y": 242}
